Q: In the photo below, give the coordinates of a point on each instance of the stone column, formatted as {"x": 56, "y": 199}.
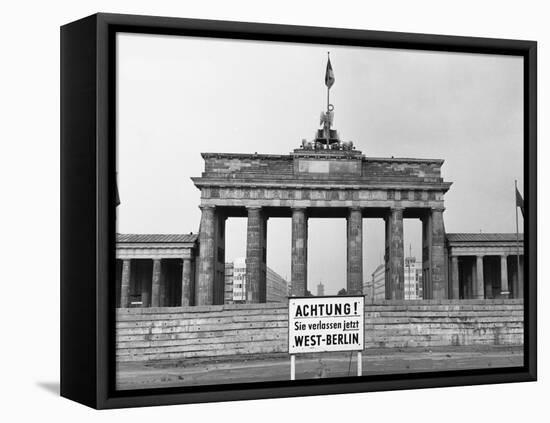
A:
{"x": 520, "y": 278}
{"x": 395, "y": 270}
{"x": 426, "y": 261}
{"x": 145, "y": 295}
{"x": 480, "y": 285}
{"x": 165, "y": 293}
{"x": 299, "y": 253}
{"x": 255, "y": 260}
{"x": 125, "y": 284}
{"x": 186, "y": 282}
{"x": 472, "y": 282}
{"x": 207, "y": 256}
{"x": 454, "y": 278}
{"x": 437, "y": 256}
{"x": 219, "y": 265}
{"x": 504, "y": 290}
{"x": 155, "y": 285}
{"x": 355, "y": 252}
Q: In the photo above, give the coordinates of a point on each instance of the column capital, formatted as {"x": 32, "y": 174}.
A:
{"x": 438, "y": 209}
{"x": 397, "y": 208}
{"x": 206, "y": 207}
{"x": 253, "y": 207}
{"x": 302, "y": 210}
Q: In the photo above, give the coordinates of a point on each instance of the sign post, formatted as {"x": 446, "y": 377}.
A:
{"x": 325, "y": 324}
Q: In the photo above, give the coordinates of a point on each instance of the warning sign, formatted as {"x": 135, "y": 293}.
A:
{"x": 323, "y": 324}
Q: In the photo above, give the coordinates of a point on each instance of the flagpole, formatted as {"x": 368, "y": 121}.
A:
{"x": 328, "y": 111}
{"x": 328, "y": 87}
{"x": 517, "y": 234}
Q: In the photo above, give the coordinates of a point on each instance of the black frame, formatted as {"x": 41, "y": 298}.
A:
{"x": 88, "y": 208}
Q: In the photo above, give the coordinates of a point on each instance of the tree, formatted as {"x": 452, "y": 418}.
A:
{"x": 343, "y": 292}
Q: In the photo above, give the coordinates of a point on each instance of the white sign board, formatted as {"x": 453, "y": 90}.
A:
{"x": 323, "y": 324}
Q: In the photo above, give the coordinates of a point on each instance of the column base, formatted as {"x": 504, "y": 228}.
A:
{"x": 504, "y": 294}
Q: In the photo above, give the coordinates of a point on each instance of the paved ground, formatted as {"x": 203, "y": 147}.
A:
{"x": 137, "y": 375}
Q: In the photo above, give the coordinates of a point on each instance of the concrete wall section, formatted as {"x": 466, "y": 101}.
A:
{"x": 212, "y": 331}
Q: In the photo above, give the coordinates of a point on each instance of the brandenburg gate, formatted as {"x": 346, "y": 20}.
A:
{"x": 324, "y": 178}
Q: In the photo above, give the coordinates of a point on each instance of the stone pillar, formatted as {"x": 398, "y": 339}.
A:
{"x": 125, "y": 284}
{"x": 299, "y": 253}
{"x": 454, "y": 278}
{"x": 395, "y": 270}
{"x": 255, "y": 256}
{"x": 480, "y": 285}
{"x": 186, "y": 282}
{"x": 155, "y": 285}
{"x": 426, "y": 261}
{"x": 165, "y": 293}
{"x": 437, "y": 256}
{"x": 514, "y": 276}
{"x": 207, "y": 256}
{"x": 504, "y": 290}
{"x": 472, "y": 282}
{"x": 520, "y": 278}
{"x": 355, "y": 252}
{"x": 145, "y": 294}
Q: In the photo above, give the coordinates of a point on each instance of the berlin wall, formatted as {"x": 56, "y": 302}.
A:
{"x": 173, "y": 333}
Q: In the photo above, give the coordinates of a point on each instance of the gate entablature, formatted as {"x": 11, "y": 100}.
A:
{"x": 325, "y": 178}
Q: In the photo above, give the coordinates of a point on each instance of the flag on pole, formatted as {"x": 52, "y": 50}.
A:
{"x": 519, "y": 202}
{"x": 329, "y": 75}
{"x": 117, "y": 197}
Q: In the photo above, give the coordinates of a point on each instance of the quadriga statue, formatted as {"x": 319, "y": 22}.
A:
{"x": 307, "y": 145}
{"x": 347, "y": 145}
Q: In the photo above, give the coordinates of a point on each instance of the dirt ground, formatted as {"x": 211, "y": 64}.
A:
{"x": 138, "y": 375}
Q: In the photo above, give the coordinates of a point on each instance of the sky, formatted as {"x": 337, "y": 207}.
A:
{"x": 180, "y": 96}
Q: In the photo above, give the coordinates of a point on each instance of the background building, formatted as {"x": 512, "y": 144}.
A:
{"x": 374, "y": 288}
{"x": 320, "y": 289}
{"x": 277, "y": 291}
{"x": 413, "y": 279}
{"x": 235, "y": 284}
